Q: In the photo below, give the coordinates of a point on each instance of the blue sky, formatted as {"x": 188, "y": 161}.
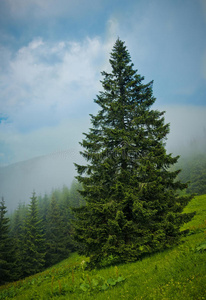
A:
{"x": 52, "y": 53}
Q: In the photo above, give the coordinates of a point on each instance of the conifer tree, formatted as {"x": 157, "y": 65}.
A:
{"x": 75, "y": 197}
{"x": 132, "y": 203}
{"x": 67, "y": 201}
{"x": 6, "y": 253}
{"x": 56, "y": 236}
{"x": 17, "y": 236}
{"x": 34, "y": 241}
{"x": 43, "y": 205}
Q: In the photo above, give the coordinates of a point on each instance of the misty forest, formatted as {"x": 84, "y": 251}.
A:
{"x": 128, "y": 200}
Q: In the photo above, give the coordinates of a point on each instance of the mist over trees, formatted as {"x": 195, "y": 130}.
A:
{"x": 41, "y": 174}
{"x": 194, "y": 172}
{"x": 37, "y": 235}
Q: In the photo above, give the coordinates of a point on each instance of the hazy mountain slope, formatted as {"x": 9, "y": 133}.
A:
{"x": 42, "y": 174}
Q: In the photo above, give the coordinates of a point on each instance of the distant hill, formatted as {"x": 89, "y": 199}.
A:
{"x": 194, "y": 171}
{"x": 42, "y": 174}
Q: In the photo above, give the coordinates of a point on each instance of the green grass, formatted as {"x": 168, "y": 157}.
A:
{"x": 178, "y": 273}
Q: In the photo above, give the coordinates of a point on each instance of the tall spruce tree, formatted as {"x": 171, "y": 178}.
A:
{"x": 34, "y": 241}
{"x": 132, "y": 205}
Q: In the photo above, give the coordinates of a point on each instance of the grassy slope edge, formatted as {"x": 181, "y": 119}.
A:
{"x": 178, "y": 273}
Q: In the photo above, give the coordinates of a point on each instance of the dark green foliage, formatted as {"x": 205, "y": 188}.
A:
{"x": 43, "y": 206}
{"x": 76, "y": 200}
{"x": 17, "y": 236}
{"x": 34, "y": 241}
{"x": 132, "y": 205}
{"x": 6, "y": 250}
{"x": 56, "y": 235}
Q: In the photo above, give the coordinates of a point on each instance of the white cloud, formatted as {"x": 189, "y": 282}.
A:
{"x": 36, "y": 43}
{"x": 43, "y": 86}
{"x": 44, "y": 76}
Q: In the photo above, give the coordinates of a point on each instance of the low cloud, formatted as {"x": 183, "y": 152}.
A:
{"x": 57, "y": 149}
{"x": 187, "y": 129}
{"x": 44, "y": 141}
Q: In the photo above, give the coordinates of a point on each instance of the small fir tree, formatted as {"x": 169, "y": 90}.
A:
{"x": 34, "y": 241}
{"x": 6, "y": 250}
{"x": 56, "y": 235}
{"x": 17, "y": 236}
{"x": 132, "y": 205}
{"x": 43, "y": 205}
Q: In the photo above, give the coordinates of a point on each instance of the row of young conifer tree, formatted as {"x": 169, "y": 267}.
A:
{"x": 37, "y": 235}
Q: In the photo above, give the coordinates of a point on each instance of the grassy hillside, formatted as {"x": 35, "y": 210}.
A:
{"x": 178, "y": 273}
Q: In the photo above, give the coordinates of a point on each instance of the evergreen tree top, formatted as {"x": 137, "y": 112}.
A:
{"x": 3, "y": 219}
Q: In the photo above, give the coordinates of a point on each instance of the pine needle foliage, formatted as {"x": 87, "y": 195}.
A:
{"x": 6, "y": 250}
{"x": 132, "y": 202}
{"x": 56, "y": 237}
{"x": 17, "y": 236}
{"x": 34, "y": 241}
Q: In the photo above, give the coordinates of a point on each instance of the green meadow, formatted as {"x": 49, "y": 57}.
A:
{"x": 177, "y": 273}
